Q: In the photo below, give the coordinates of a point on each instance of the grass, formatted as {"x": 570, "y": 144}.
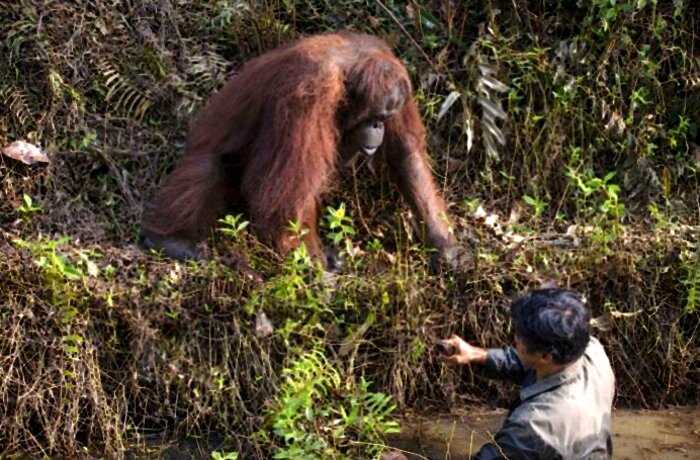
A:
{"x": 565, "y": 138}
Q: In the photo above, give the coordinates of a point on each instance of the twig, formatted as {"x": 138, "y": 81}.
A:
{"x": 410, "y": 37}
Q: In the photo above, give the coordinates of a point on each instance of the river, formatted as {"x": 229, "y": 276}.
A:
{"x": 670, "y": 434}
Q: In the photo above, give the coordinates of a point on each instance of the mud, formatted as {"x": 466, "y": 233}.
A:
{"x": 671, "y": 434}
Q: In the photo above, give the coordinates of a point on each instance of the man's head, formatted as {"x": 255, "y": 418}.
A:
{"x": 551, "y": 327}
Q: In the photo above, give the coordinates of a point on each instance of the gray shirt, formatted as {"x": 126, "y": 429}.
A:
{"x": 564, "y": 416}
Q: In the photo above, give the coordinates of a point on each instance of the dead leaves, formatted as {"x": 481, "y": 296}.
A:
{"x": 25, "y": 152}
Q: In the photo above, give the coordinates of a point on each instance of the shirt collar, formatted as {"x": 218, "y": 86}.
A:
{"x": 563, "y": 377}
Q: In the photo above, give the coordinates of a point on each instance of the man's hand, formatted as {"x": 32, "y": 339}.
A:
{"x": 464, "y": 353}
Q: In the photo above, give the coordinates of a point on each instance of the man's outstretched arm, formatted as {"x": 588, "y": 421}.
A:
{"x": 498, "y": 363}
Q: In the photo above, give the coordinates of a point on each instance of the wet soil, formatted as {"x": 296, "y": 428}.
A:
{"x": 671, "y": 434}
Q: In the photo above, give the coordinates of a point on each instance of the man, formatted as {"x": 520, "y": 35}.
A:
{"x": 567, "y": 384}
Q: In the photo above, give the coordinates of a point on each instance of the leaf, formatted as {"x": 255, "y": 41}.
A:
{"x": 493, "y": 84}
{"x": 92, "y": 268}
{"x": 448, "y": 102}
{"x": 25, "y": 152}
{"x": 490, "y": 128}
{"x": 492, "y": 108}
{"x": 355, "y": 337}
{"x": 604, "y": 322}
{"x": 71, "y": 272}
{"x": 485, "y": 69}
{"x": 491, "y": 149}
{"x": 469, "y": 129}
{"x": 530, "y": 200}
{"x": 73, "y": 339}
{"x": 263, "y": 326}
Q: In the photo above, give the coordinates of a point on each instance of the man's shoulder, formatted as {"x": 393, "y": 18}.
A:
{"x": 595, "y": 356}
{"x": 594, "y": 346}
{"x": 595, "y": 349}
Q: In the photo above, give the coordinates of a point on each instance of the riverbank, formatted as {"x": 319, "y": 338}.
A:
{"x": 564, "y": 137}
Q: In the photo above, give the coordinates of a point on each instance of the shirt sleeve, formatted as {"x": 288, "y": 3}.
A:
{"x": 516, "y": 441}
{"x": 504, "y": 364}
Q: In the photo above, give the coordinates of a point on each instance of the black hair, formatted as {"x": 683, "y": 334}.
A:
{"x": 553, "y": 321}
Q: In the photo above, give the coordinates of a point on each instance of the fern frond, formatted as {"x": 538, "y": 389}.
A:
{"x": 488, "y": 88}
{"x": 126, "y": 96}
{"x": 18, "y": 104}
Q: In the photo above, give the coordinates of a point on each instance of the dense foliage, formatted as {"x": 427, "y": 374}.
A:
{"x": 564, "y": 134}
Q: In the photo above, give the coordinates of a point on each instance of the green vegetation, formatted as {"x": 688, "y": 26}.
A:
{"x": 317, "y": 416}
{"x": 564, "y": 135}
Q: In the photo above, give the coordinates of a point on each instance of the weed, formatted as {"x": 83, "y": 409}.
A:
{"x": 27, "y": 208}
{"x": 537, "y": 205}
{"x": 583, "y": 112}
{"x": 691, "y": 280}
{"x": 340, "y": 229}
{"x": 224, "y": 455}
{"x": 57, "y": 266}
{"x": 316, "y": 416}
{"x": 232, "y": 226}
{"x": 599, "y": 200}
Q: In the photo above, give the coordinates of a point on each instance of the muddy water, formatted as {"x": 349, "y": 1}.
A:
{"x": 672, "y": 434}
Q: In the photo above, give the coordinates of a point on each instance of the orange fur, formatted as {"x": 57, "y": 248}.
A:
{"x": 269, "y": 141}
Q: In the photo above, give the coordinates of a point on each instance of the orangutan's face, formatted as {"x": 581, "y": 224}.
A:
{"x": 367, "y": 136}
